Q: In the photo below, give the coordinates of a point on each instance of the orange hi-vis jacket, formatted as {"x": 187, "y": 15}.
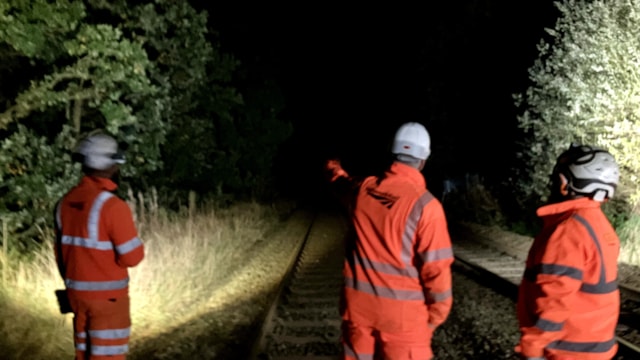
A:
{"x": 398, "y": 272}
{"x": 98, "y": 239}
{"x": 568, "y": 299}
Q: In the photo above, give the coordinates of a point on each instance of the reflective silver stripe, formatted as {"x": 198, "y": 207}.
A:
{"x": 86, "y": 243}
{"x": 94, "y": 214}
{"x": 410, "y": 227}
{"x": 348, "y": 351}
{"x": 105, "y": 350}
{"x": 96, "y": 285}
{"x": 552, "y": 269}
{"x": 548, "y": 325}
{"x": 106, "y": 334}
{"x": 585, "y": 347}
{"x": 128, "y": 246}
{"x": 110, "y": 333}
{"x": 385, "y": 268}
{"x": 435, "y": 255}
{"x": 434, "y": 297}
{"x": 92, "y": 242}
{"x": 81, "y": 346}
{"x": 383, "y": 291}
{"x": 602, "y": 287}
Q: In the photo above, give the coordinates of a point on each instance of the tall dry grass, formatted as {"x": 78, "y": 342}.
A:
{"x": 629, "y": 235}
{"x": 188, "y": 257}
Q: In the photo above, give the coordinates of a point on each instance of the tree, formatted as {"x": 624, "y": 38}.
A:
{"x": 136, "y": 69}
{"x": 586, "y": 89}
{"x": 74, "y": 67}
{"x": 188, "y": 68}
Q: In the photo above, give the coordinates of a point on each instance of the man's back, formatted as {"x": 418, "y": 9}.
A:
{"x": 96, "y": 240}
{"x": 397, "y": 275}
{"x": 397, "y": 222}
{"x": 99, "y": 240}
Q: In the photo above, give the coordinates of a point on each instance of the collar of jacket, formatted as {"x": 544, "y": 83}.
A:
{"x": 412, "y": 174}
{"x": 567, "y": 205}
{"x": 98, "y": 182}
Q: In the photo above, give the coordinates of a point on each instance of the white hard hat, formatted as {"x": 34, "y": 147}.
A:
{"x": 590, "y": 171}
{"x": 412, "y": 139}
{"x": 99, "y": 152}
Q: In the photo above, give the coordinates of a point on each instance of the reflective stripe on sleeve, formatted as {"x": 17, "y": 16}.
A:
{"x": 552, "y": 269}
{"x": 128, "y": 246}
{"x": 435, "y": 255}
{"x": 434, "y": 297}
{"x": 600, "y": 288}
{"x": 548, "y": 325}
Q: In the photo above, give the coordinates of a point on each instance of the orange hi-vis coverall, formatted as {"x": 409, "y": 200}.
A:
{"x": 398, "y": 273}
{"x": 99, "y": 242}
{"x": 569, "y": 302}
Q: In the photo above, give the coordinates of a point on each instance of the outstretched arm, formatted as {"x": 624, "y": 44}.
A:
{"x": 343, "y": 186}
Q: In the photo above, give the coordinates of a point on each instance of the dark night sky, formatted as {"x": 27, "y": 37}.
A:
{"x": 351, "y": 75}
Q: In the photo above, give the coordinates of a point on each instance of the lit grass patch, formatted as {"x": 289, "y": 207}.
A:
{"x": 629, "y": 234}
{"x": 189, "y": 258}
{"x": 32, "y": 327}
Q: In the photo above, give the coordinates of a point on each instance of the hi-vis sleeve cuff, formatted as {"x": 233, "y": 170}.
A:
{"x": 129, "y": 246}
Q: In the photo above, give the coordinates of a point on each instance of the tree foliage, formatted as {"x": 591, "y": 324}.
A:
{"x": 74, "y": 67}
{"x": 586, "y": 89}
{"x": 130, "y": 69}
{"x": 151, "y": 73}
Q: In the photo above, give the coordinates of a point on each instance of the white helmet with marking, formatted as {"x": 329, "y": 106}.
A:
{"x": 590, "y": 171}
{"x": 99, "y": 151}
{"x": 412, "y": 139}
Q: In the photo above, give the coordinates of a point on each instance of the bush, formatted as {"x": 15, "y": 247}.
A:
{"x": 585, "y": 89}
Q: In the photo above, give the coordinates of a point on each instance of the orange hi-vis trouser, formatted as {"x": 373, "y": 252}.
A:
{"x": 365, "y": 343}
{"x": 101, "y": 328}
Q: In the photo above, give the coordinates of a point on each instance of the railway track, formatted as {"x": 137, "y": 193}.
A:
{"x": 304, "y": 323}
{"x": 503, "y": 272}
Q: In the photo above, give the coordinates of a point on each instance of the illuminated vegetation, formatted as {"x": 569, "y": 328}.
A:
{"x": 585, "y": 89}
{"x": 195, "y": 266}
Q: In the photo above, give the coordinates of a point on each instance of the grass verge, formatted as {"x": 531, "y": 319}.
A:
{"x": 190, "y": 263}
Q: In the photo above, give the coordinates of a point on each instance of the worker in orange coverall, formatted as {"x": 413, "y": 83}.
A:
{"x": 569, "y": 302}
{"x": 397, "y": 274}
{"x": 97, "y": 242}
